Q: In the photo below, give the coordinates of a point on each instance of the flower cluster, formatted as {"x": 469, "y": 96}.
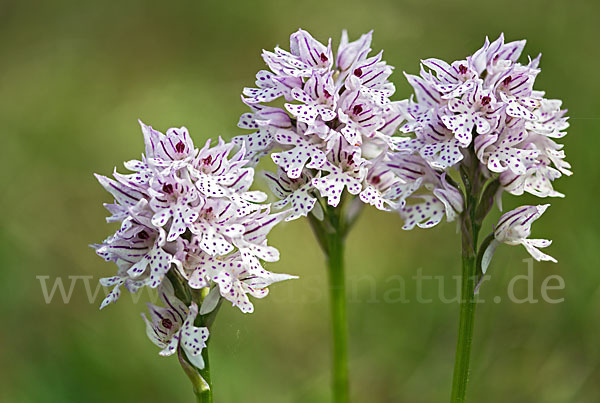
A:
{"x": 191, "y": 212}
{"x": 483, "y": 110}
{"x": 334, "y": 131}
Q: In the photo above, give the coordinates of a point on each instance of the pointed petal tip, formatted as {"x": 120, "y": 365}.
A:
{"x": 541, "y": 208}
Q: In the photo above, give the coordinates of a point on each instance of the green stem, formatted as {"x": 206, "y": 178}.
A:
{"x": 330, "y": 233}
{"x": 199, "y": 385}
{"x": 465, "y": 329}
{"x": 470, "y": 225}
{"x": 201, "y": 381}
{"x": 206, "y": 395}
{"x": 335, "y": 261}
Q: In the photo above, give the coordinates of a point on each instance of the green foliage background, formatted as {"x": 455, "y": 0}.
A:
{"x": 75, "y": 76}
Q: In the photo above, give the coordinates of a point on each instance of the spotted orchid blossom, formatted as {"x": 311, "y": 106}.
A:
{"x": 427, "y": 196}
{"x": 172, "y": 326}
{"x": 266, "y": 121}
{"x": 514, "y": 228}
{"x": 386, "y": 190}
{"x": 136, "y": 248}
{"x": 172, "y": 150}
{"x": 232, "y": 248}
{"x": 335, "y": 127}
{"x": 293, "y": 191}
{"x": 182, "y": 202}
{"x": 235, "y": 279}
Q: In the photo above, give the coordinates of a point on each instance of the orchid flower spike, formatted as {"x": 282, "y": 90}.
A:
{"x": 334, "y": 132}
{"x": 191, "y": 212}
{"x": 487, "y": 103}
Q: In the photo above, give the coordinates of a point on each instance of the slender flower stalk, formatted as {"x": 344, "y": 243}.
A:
{"x": 480, "y": 119}
{"x": 470, "y": 227}
{"x": 331, "y": 140}
{"x": 204, "y": 394}
{"x": 190, "y": 227}
{"x": 331, "y": 235}
{"x": 338, "y": 318}
{"x": 465, "y": 328}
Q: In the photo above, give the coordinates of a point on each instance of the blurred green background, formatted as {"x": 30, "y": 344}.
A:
{"x": 76, "y": 75}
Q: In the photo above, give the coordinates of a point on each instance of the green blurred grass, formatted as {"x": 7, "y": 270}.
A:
{"x": 75, "y": 76}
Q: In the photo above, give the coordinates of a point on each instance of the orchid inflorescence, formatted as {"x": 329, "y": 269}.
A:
{"x": 334, "y": 131}
{"x": 188, "y": 215}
